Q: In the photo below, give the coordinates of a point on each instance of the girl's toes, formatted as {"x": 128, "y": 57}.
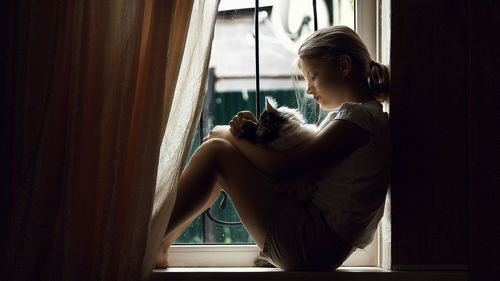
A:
{"x": 161, "y": 263}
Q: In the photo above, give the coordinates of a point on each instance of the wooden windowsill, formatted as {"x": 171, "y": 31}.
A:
{"x": 263, "y": 273}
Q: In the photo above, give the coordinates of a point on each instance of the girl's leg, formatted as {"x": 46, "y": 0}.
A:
{"x": 252, "y": 193}
{"x": 162, "y": 255}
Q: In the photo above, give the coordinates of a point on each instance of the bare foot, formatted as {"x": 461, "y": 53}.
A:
{"x": 161, "y": 261}
{"x": 263, "y": 263}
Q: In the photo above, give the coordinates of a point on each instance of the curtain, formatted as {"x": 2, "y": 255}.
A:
{"x": 89, "y": 90}
{"x": 183, "y": 118}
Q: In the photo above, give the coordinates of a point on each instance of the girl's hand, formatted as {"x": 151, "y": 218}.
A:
{"x": 242, "y": 121}
{"x": 219, "y": 131}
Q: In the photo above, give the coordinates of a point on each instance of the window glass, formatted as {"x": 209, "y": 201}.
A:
{"x": 231, "y": 86}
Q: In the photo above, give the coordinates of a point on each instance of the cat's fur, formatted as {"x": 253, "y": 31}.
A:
{"x": 283, "y": 128}
{"x": 280, "y": 128}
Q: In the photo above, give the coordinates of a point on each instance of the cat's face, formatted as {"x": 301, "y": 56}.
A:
{"x": 274, "y": 121}
{"x": 270, "y": 123}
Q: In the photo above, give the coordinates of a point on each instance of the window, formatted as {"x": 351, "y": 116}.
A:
{"x": 231, "y": 87}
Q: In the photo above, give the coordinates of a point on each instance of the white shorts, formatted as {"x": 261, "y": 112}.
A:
{"x": 299, "y": 238}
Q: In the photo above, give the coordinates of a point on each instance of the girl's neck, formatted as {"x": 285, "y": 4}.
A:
{"x": 360, "y": 92}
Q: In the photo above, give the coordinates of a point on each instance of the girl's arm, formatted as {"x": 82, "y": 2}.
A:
{"x": 337, "y": 139}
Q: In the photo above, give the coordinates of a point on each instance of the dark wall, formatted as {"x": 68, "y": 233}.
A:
{"x": 484, "y": 138}
{"x": 444, "y": 106}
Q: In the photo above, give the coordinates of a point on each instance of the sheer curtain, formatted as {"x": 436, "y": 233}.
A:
{"x": 89, "y": 90}
{"x": 182, "y": 120}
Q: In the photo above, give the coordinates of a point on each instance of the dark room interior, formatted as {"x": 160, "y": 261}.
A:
{"x": 444, "y": 117}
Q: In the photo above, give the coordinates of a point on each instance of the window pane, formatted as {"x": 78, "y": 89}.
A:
{"x": 283, "y": 26}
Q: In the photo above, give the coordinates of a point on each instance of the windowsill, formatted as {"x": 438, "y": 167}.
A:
{"x": 244, "y": 256}
{"x": 264, "y": 273}
{"x": 264, "y": 269}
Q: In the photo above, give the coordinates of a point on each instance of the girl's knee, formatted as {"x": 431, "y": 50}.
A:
{"x": 215, "y": 145}
{"x": 215, "y": 149}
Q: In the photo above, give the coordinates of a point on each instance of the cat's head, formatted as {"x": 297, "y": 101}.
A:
{"x": 274, "y": 120}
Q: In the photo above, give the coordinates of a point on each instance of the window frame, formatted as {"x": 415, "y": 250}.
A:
{"x": 368, "y": 27}
{"x": 245, "y": 255}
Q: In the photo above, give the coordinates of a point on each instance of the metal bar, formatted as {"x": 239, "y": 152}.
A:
{"x": 203, "y": 219}
{"x": 206, "y": 114}
{"x": 207, "y": 104}
{"x": 355, "y": 20}
{"x": 257, "y": 75}
{"x": 217, "y": 221}
{"x": 203, "y": 230}
{"x": 201, "y": 128}
{"x": 315, "y": 13}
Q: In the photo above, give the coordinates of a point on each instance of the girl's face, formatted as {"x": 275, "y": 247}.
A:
{"x": 326, "y": 82}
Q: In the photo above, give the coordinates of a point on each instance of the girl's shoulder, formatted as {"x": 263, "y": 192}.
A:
{"x": 368, "y": 115}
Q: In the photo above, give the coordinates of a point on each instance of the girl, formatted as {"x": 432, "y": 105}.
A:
{"x": 344, "y": 168}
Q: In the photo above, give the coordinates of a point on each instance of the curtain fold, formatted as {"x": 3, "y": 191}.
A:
{"x": 184, "y": 115}
{"x": 91, "y": 88}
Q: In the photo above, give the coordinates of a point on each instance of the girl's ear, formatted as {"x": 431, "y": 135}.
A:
{"x": 269, "y": 104}
{"x": 345, "y": 65}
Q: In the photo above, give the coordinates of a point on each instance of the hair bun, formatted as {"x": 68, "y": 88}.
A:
{"x": 372, "y": 63}
{"x": 378, "y": 79}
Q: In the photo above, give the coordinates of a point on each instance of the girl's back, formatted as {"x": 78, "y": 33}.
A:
{"x": 352, "y": 192}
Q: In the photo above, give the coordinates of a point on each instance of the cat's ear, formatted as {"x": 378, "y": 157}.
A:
{"x": 270, "y": 104}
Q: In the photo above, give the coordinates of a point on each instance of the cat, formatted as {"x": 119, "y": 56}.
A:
{"x": 284, "y": 128}
{"x": 281, "y": 128}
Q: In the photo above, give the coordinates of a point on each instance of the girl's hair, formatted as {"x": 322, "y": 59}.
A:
{"x": 329, "y": 43}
